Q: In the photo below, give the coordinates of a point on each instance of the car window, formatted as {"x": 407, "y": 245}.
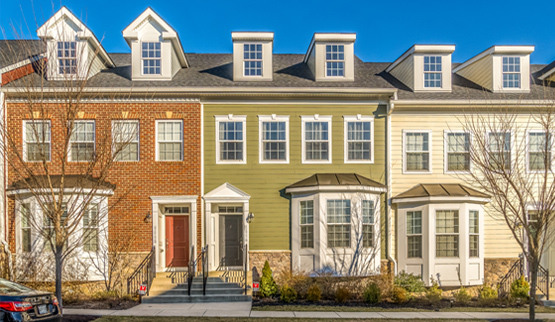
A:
{"x": 9, "y": 287}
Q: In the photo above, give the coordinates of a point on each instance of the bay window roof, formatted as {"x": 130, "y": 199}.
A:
{"x": 336, "y": 181}
{"x": 448, "y": 190}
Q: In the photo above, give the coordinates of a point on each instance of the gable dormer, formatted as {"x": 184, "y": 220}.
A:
{"x": 424, "y": 68}
{"x": 72, "y": 49}
{"x": 331, "y": 57}
{"x": 500, "y": 69}
{"x": 156, "y": 51}
{"x": 252, "y": 56}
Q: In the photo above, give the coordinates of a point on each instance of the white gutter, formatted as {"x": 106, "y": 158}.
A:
{"x": 390, "y": 220}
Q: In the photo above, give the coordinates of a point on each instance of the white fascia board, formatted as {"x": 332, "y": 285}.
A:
{"x": 425, "y": 49}
{"x": 474, "y": 103}
{"x": 463, "y": 199}
{"x": 21, "y": 63}
{"x": 174, "y": 199}
{"x": 496, "y": 50}
{"x": 329, "y": 37}
{"x": 547, "y": 74}
{"x": 337, "y": 188}
{"x": 252, "y": 35}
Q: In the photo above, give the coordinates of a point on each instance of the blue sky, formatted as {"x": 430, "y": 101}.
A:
{"x": 385, "y": 29}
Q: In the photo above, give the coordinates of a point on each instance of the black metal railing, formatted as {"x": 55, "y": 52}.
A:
{"x": 515, "y": 272}
{"x": 543, "y": 281}
{"x": 144, "y": 274}
{"x": 204, "y": 257}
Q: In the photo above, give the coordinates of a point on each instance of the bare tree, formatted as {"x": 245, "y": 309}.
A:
{"x": 511, "y": 159}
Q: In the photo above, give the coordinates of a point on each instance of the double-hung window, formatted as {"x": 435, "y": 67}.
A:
{"x": 316, "y": 139}
{"x": 432, "y": 71}
{"x": 359, "y": 134}
{"x": 274, "y": 136}
{"x": 230, "y": 139}
{"x": 169, "y": 136}
{"x": 499, "y": 144}
{"x": 511, "y": 72}
{"x": 539, "y": 151}
{"x": 447, "y": 233}
{"x": 307, "y": 223}
{"x": 252, "y": 55}
{"x": 417, "y": 151}
{"x": 82, "y": 141}
{"x": 67, "y": 57}
{"x": 474, "y": 233}
{"x": 37, "y": 136}
{"x": 335, "y": 60}
{"x": 125, "y": 137}
{"x": 367, "y": 223}
{"x": 90, "y": 229}
{"x": 458, "y": 151}
{"x": 26, "y": 241}
{"x": 151, "y": 58}
{"x": 414, "y": 234}
{"x": 339, "y": 223}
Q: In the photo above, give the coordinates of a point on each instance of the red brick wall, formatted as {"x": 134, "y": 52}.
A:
{"x": 17, "y": 73}
{"x": 139, "y": 179}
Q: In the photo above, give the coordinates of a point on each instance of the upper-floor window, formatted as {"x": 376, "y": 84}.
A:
{"x": 151, "y": 58}
{"x": 274, "y": 139}
{"x": 252, "y": 55}
{"x": 417, "y": 151}
{"x": 539, "y": 151}
{"x": 339, "y": 223}
{"x": 414, "y": 234}
{"x": 82, "y": 141}
{"x": 511, "y": 72}
{"x": 359, "y": 135}
{"x": 125, "y": 136}
{"x": 307, "y": 223}
{"x": 316, "y": 139}
{"x": 499, "y": 154}
{"x": 169, "y": 140}
{"x": 447, "y": 233}
{"x": 335, "y": 60}
{"x": 36, "y": 141}
{"x": 458, "y": 151}
{"x": 67, "y": 57}
{"x": 432, "y": 71}
{"x": 230, "y": 139}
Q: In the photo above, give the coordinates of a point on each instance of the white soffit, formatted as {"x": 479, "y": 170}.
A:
{"x": 83, "y": 33}
{"x": 328, "y": 37}
{"x": 496, "y": 50}
{"x": 131, "y": 32}
{"x": 424, "y": 49}
{"x": 252, "y": 35}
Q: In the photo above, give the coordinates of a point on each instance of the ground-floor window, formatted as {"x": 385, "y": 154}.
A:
{"x": 447, "y": 233}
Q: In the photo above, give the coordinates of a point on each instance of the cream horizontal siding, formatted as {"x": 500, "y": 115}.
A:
{"x": 499, "y": 242}
{"x": 405, "y": 71}
{"x": 96, "y": 63}
{"x": 480, "y": 72}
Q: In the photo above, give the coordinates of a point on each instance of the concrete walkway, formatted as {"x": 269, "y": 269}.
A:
{"x": 240, "y": 309}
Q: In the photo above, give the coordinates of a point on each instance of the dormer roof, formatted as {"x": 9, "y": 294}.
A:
{"x": 424, "y": 49}
{"x": 500, "y": 50}
{"x": 49, "y": 30}
{"x": 131, "y": 32}
{"x": 328, "y": 37}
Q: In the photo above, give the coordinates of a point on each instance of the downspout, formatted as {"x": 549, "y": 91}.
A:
{"x": 389, "y": 221}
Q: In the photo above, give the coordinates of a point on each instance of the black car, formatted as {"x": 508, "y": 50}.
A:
{"x": 19, "y": 303}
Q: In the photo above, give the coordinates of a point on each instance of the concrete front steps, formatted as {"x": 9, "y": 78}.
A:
{"x": 217, "y": 290}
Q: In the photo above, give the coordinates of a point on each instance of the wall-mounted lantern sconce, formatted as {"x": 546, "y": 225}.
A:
{"x": 250, "y": 217}
{"x": 148, "y": 218}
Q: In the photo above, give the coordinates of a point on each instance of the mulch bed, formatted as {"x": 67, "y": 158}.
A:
{"x": 103, "y": 305}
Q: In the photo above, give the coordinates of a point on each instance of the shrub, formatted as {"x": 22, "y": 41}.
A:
{"x": 298, "y": 281}
{"x": 409, "y": 282}
{"x": 520, "y": 288}
{"x": 342, "y": 295}
{"x": 487, "y": 295}
{"x": 399, "y": 295}
{"x": 314, "y": 294}
{"x": 372, "y": 294}
{"x": 288, "y": 294}
{"x": 433, "y": 293}
{"x": 268, "y": 286}
{"x": 462, "y": 296}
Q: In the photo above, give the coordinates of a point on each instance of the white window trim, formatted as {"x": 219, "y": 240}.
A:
{"x": 324, "y": 211}
{"x": 67, "y": 58}
{"x": 331, "y": 60}
{"x": 138, "y": 140}
{"x": 407, "y": 235}
{"x": 24, "y": 139}
{"x": 429, "y": 72}
{"x": 479, "y": 234}
{"x": 249, "y": 60}
{"x": 272, "y": 118}
{"x": 519, "y": 73}
{"x": 458, "y": 210}
{"x": 446, "y": 152}
{"x": 314, "y": 226}
{"x": 512, "y": 146}
{"x": 405, "y": 152}
{"x": 231, "y": 118}
{"x": 157, "y": 142}
{"x": 528, "y": 149}
{"x": 358, "y": 119}
{"x": 143, "y": 59}
{"x": 94, "y": 140}
{"x": 316, "y": 118}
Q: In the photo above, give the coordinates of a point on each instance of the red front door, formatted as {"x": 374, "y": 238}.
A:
{"x": 177, "y": 241}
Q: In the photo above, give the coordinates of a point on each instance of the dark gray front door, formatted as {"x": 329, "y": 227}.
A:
{"x": 231, "y": 239}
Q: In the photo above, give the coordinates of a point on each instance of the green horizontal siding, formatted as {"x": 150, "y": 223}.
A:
{"x": 266, "y": 183}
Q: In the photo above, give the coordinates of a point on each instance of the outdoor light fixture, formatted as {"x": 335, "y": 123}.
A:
{"x": 250, "y": 217}
{"x": 148, "y": 218}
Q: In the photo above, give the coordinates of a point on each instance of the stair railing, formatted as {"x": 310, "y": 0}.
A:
{"x": 543, "y": 281}
{"x": 144, "y": 274}
{"x": 514, "y": 273}
{"x": 204, "y": 254}
{"x": 191, "y": 270}
{"x": 245, "y": 265}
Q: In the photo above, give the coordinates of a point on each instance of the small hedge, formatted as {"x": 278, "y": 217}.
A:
{"x": 372, "y": 294}
{"x": 520, "y": 289}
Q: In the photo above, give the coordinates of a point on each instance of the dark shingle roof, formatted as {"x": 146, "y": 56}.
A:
{"x": 14, "y": 51}
{"x": 441, "y": 190}
{"x": 336, "y": 179}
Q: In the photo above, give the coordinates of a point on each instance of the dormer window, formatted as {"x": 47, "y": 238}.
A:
{"x": 253, "y": 59}
{"x": 67, "y": 57}
{"x": 511, "y": 72}
{"x": 335, "y": 60}
{"x": 432, "y": 71}
{"x": 151, "y": 56}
